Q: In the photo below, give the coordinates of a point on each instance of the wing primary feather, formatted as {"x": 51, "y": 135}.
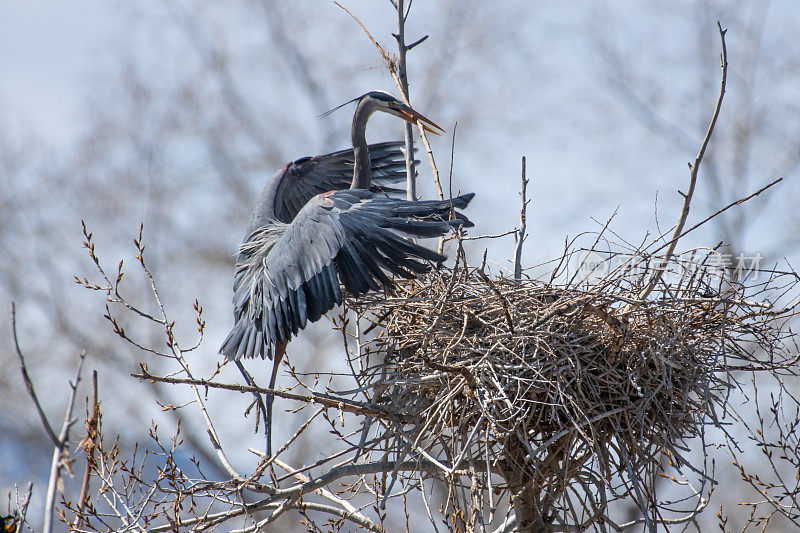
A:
{"x": 325, "y": 294}
{"x": 293, "y": 308}
{"x": 242, "y": 348}
{"x": 282, "y": 319}
{"x": 360, "y": 280}
{"x": 330, "y": 270}
{"x": 269, "y": 313}
{"x": 368, "y": 260}
{"x": 313, "y": 289}
{"x": 251, "y": 343}
{"x": 302, "y": 310}
{"x": 291, "y": 272}
{"x": 259, "y": 351}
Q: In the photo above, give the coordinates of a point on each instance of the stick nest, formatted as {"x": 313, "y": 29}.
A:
{"x": 578, "y": 391}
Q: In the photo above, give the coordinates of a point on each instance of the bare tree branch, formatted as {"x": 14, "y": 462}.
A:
{"x": 89, "y": 445}
{"x": 60, "y": 452}
{"x": 28, "y": 383}
{"x": 520, "y": 236}
{"x": 687, "y": 197}
{"x": 341, "y": 404}
{"x": 400, "y": 36}
{"x": 391, "y": 65}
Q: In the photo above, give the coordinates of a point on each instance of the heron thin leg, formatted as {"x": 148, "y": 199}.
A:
{"x": 262, "y": 410}
{"x": 277, "y": 357}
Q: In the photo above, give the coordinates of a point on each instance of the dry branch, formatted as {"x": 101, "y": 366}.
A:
{"x": 519, "y": 235}
{"x": 402, "y": 73}
{"x": 89, "y": 445}
{"x": 391, "y": 65}
{"x": 60, "y": 452}
{"x": 326, "y": 400}
{"x": 693, "y": 169}
{"x": 27, "y": 380}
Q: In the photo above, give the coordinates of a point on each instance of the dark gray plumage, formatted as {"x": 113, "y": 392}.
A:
{"x": 286, "y": 274}
{"x": 309, "y": 233}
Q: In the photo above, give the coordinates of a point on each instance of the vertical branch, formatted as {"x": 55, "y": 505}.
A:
{"x": 89, "y": 444}
{"x": 60, "y": 453}
{"x": 450, "y": 184}
{"x": 23, "y": 507}
{"x": 519, "y": 235}
{"x": 527, "y": 519}
{"x": 61, "y": 441}
{"x": 400, "y": 36}
{"x": 392, "y": 67}
{"x": 693, "y": 169}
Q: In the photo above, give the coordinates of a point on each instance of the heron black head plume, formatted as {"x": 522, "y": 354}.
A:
{"x": 328, "y": 112}
{"x": 381, "y": 97}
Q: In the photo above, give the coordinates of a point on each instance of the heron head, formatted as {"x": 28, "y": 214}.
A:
{"x": 389, "y": 103}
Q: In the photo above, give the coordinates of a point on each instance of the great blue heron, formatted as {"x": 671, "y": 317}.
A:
{"x": 309, "y": 232}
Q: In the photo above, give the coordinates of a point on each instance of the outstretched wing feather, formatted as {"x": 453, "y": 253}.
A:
{"x": 351, "y": 236}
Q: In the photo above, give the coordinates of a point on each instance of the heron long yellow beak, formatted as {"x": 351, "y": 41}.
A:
{"x": 409, "y": 114}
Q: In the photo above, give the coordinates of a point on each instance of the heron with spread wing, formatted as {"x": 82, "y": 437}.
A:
{"x": 327, "y": 222}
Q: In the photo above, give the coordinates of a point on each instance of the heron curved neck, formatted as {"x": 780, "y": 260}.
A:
{"x": 362, "y": 173}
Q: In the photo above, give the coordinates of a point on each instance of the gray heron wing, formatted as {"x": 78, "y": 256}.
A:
{"x": 310, "y": 176}
{"x": 290, "y": 274}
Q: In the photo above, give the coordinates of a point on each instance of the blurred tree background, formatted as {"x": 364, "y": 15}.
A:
{"x": 186, "y": 107}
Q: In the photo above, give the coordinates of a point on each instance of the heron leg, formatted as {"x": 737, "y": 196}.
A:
{"x": 277, "y": 356}
{"x": 262, "y": 410}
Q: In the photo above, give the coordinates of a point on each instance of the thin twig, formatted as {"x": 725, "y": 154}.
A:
{"x": 719, "y": 212}
{"x": 520, "y": 236}
{"x": 440, "y": 247}
{"x": 693, "y": 169}
{"x": 408, "y": 134}
{"x": 89, "y": 444}
{"x": 28, "y": 383}
{"x": 60, "y": 457}
{"x": 341, "y": 404}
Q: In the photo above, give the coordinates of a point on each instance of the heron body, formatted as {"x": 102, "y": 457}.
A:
{"x": 292, "y": 228}
{"x": 327, "y": 222}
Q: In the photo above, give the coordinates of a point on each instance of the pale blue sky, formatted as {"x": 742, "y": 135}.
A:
{"x": 55, "y": 52}
{"x": 50, "y": 49}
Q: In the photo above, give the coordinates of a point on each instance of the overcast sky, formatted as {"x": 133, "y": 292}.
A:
{"x": 54, "y": 52}
{"x": 48, "y": 54}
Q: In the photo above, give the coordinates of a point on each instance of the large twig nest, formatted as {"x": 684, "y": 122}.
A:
{"x": 560, "y": 385}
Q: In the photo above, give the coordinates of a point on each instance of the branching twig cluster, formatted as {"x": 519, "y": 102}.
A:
{"x": 575, "y": 402}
